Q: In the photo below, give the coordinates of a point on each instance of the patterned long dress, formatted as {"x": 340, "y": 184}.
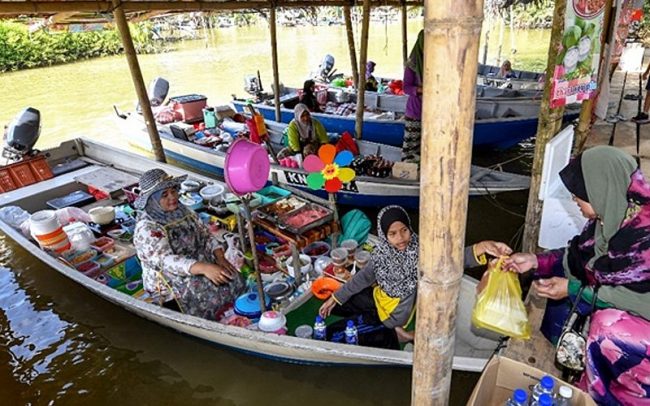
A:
{"x": 167, "y": 252}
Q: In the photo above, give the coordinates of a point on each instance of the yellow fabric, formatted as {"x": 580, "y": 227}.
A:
{"x": 480, "y": 259}
{"x": 384, "y": 303}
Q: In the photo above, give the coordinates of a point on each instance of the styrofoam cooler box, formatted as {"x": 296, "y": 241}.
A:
{"x": 561, "y": 217}
{"x": 190, "y": 106}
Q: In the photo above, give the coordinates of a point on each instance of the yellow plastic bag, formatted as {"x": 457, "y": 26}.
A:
{"x": 499, "y": 306}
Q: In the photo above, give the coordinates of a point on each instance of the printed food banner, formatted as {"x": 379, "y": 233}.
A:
{"x": 576, "y": 67}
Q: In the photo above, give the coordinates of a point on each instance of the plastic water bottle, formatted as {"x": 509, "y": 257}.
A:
{"x": 351, "y": 334}
{"x": 544, "y": 400}
{"x": 519, "y": 398}
{"x": 545, "y": 385}
{"x": 320, "y": 329}
{"x": 564, "y": 396}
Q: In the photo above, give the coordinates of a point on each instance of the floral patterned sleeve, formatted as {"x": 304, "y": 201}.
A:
{"x": 548, "y": 263}
{"x": 155, "y": 252}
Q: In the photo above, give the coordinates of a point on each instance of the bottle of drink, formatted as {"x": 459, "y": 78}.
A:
{"x": 519, "y": 398}
{"x": 320, "y": 329}
{"x": 564, "y": 396}
{"x": 545, "y": 385}
{"x": 351, "y": 334}
{"x": 544, "y": 400}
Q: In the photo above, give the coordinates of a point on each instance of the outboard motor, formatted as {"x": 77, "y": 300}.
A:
{"x": 326, "y": 66}
{"x": 157, "y": 93}
{"x": 22, "y": 134}
{"x": 253, "y": 84}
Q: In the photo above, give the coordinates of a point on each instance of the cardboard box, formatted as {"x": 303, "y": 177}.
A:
{"x": 502, "y": 376}
{"x": 405, "y": 171}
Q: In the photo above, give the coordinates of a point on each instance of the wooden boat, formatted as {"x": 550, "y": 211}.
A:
{"x": 363, "y": 191}
{"x": 472, "y": 351}
{"x": 500, "y": 122}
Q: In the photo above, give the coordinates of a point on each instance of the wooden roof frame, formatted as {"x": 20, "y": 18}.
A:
{"x": 13, "y": 8}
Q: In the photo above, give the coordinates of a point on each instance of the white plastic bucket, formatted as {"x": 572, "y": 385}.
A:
{"x": 47, "y": 231}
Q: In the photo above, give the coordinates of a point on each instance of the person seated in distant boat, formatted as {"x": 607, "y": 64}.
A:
{"x": 506, "y": 71}
{"x": 383, "y": 293}
{"x": 308, "y": 97}
{"x": 371, "y": 83}
{"x": 305, "y": 134}
{"x": 182, "y": 263}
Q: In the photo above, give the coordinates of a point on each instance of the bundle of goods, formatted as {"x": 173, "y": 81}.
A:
{"x": 372, "y": 165}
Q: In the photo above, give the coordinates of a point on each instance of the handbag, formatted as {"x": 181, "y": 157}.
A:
{"x": 571, "y": 348}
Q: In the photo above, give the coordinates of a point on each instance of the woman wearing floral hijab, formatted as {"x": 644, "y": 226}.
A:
{"x": 611, "y": 257}
{"x": 182, "y": 263}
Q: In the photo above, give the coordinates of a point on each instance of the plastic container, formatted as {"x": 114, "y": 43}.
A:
{"x": 119, "y": 253}
{"x": 192, "y": 201}
{"x": 80, "y": 235}
{"x": 272, "y": 321}
{"x": 339, "y": 256}
{"x": 321, "y": 263}
{"x": 361, "y": 258}
{"x": 212, "y": 193}
{"x": 46, "y": 229}
{"x": 102, "y": 215}
{"x": 78, "y": 258}
{"x": 104, "y": 261}
{"x": 351, "y": 248}
{"x": 545, "y": 385}
{"x": 248, "y": 305}
{"x": 317, "y": 249}
{"x": 305, "y": 265}
{"x": 304, "y": 331}
{"x": 190, "y": 185}
{"x": 272, "y": 194}
{"x": 247, "y": 167}
{"x": 351, "y": 333}
{"x": 320, "y": 329}
{"x": 21, "y": 174}
{"x": 189, "y": 106}
{"x": 103, "y": 244}
{"x": 90, "y": 268}
{"x": 40, "y": 168}
{"x": 519, "y": 398}
{"x": 7, "y": 184}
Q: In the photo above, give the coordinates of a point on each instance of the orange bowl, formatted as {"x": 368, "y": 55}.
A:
{"x": 323, "y": 287}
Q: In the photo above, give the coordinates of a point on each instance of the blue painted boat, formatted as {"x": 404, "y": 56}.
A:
{"x": 499, "y": 124}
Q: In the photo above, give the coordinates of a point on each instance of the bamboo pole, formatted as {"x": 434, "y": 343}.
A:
{"x": 361, "y": 88}
{"x": 136, "y": 75}
{"x": 405, "y": 50}
{"x": 487, "y": 41}
{"x": 274, "y": 58}
{"x": 550, "y": 121}
{"x": 502, "y": 28}
{"x": 587, "y": 108}
{"x": 452, "y": 35}
{"x": 248, "y": 215}
{"x": 353, "y": 52}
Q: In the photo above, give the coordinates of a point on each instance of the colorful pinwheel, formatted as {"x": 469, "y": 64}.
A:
{"x": 328, "y": 169}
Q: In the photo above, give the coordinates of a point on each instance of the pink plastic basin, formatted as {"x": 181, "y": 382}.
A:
{"x": 247, "y": 167}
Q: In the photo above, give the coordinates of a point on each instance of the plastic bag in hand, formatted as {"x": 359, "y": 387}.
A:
{"x": 499, "y": 306}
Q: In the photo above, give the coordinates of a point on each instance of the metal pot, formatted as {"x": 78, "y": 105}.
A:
{"x": 341, "y": 96}
{"x": 279, "y": 290}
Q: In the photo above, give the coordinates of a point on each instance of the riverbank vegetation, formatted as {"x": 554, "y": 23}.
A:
{"x": 23, "y": 50}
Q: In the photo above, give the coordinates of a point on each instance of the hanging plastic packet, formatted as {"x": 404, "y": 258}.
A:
{"x": 499, "y": 306}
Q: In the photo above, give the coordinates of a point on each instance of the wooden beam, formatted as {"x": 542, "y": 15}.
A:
{"x": 405, "y": 50}
{"x": 146, "y": 16}
{"x": 14, "y": 8}
{"x": 451, "y": 46}
{"x": 274, "y": 59}
{"x": 347, "y": 16}
{"x": 549, "y": 122}
{"x": 136, "y": 75}
{"x": 361, "y": 87}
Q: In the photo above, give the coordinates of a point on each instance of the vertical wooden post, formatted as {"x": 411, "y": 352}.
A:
{"x": 487, "y": 42}
{"x": 274, "y": 58}
{"x": 550, "y": 121}
{"x": 586, "y": 111}
{"x": 361, "y": 87}
{"x": 405, "y": 50}
{"x": 513, "y": 43}
{"x": 452, "y": 34}
{"x": 136, "y": 75}
{"x": 248, "y": 215}
{"x": 502, "y": 27}
{"x": 353, "y": 52}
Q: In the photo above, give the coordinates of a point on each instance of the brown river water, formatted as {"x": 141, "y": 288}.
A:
{"x": 60, "y": 344}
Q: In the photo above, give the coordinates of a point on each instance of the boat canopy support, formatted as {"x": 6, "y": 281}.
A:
{"x": 363, "y": 58}
{"x": 136, "y": 75}
{"x": 353, "y": 50}
{"x": 452, "y": 33}
{"x": 274, "y": 59}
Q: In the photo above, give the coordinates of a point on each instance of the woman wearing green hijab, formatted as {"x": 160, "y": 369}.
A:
{"x": 610, "y": 258}
{"x": 413, "y": 114}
